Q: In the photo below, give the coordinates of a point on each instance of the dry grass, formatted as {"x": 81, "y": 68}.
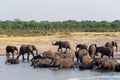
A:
{"x": 43, "y": 43}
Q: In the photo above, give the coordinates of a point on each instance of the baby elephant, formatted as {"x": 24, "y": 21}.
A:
{"x": 12, "y": 61}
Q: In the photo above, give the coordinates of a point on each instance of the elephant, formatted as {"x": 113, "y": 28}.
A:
{"x": 64, "y": 63}
{"x": 11, "y": 49}
{"x": 40, "y": 57}
{"x": 85, "y": 66}
{"x": 105, "y": 51}
{"x": 81, "y": 53}
{"x": 105, "y": 64}
{"x": 27, "y": 49}
{"x": 111, "y": 45}
{"x": 12, "y": 61}
{"x": 117, "y": 67}
{"x": 62, "y": 44}
{"x": 86, "y": 59}
{"x": 81, "y": 46}
{"x": 92, "y": 50}
{"x": 43, "y": 62}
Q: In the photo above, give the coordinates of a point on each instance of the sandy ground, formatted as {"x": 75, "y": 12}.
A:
{"x": 44, "y": 43}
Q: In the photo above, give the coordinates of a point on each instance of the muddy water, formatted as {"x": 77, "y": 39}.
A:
{"x": 24, "y": 71}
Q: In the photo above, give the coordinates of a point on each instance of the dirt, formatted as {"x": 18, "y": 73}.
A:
{"x": 44, "y": 43}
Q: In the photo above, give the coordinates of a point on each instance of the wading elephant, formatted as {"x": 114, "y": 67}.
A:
{"x": 105, "y": 64}
{"x": 64, "y": 63}
{"x": 81, "y": 46}
{"x": 11, "y": 49}
{"x": 79, "y": 54}
{"x": 12, "y": 61}
{"x": 62, "y": 44}
{"x": 27, "y": 49}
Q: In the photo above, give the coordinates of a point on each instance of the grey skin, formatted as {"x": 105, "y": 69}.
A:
{"x": 27, "y": 49}
{"x": 62, "y": 44}
{"x": 11, "y": 49}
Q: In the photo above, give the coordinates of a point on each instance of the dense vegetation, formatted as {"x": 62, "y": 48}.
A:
{"x": 34, "y": 28}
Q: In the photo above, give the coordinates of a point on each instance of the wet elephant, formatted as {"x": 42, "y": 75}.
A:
{"x": 27, "y": 49}
{"x": 105, "y": 64}
{"x": 12, "y": 61}
{"x": 11, "y": 49}
{"x": 79, "y": 54}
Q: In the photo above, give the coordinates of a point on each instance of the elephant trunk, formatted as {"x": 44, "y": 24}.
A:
{"x": 36, "y": 52}
{"x": 76, "y": 48}
{"x": 17, "y": 51}
{"x": 53, "y": 43}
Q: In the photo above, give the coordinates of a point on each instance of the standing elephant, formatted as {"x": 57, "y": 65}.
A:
{"x": 81, "y": 46}
{"x": 27, "y": 49}
{"x": 62, "y": 44}
{"x": 105, "y": 51}
{"x": 92, "y": 50}
{"x": 112, "y": 45}
{"x": 10, "y": 49}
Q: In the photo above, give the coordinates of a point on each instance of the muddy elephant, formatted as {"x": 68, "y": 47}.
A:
{"x": 105, "y": 64}
{"x": 11, "y": 49}
{"x": 79, "y": 54}
{"x": 112, "y": 45}
{"x": 43, "y": 62}
{"x": 40, "y": 57}
{"x": 27, "y": 49}
{"x": 92, "y": 50}
{"x": 12, "y": 61}
{"x": 105, "y": 51}
{"x": 62, "y": 44}
{"x": 64, "y": 63}
{"x": 81, "y": 46}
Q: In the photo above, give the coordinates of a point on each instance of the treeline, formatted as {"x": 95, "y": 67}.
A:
{"x": 27, "y": 28}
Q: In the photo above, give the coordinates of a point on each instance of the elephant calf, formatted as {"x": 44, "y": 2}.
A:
{"x": 62, "y": 44}
{"x": 12, "y": 61}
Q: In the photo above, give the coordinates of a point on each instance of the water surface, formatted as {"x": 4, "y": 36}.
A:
{"x": 24, "y": 71}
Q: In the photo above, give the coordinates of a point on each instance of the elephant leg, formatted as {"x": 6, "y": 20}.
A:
{"x": 32, "y": 53}
{"x": 61, "y": 49}
{"x": 102, "y": 56}
{"x": 28, "y": 56}
{"x": 7, "y": 55}
{"x": 77, "y": 59}
{"x": 18, "y": 56}
{"x": 13, "y": 55}
{"x": 112, "y": 55}
{"x": 58, "y": 49}
{"x": 23, "y": 58}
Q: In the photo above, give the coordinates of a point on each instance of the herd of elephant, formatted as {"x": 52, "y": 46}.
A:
{"x": 83, "y": 58}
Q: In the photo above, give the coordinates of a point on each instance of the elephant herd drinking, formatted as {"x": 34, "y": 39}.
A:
{"x": 87, "y": 58}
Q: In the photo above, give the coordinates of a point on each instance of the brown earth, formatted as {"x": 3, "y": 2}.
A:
{"x": 44, "y": 43}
